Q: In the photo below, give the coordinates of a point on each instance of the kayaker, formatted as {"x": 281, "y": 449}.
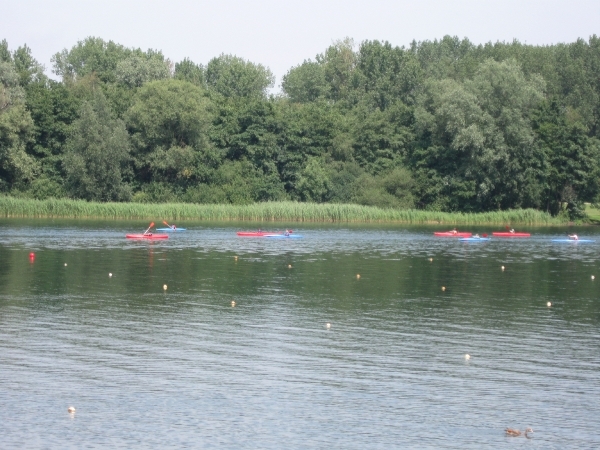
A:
{"x": 476, "y": 236}
{"x": 173, "y": 227}
{"x": 573, "y": 237}
{"x": 454, "y": 231}
{"x": 512, "y": 230}
{"x": 287, "y": 232}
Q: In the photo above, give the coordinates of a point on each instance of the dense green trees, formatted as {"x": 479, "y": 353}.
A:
{"x": 440, "y": 125}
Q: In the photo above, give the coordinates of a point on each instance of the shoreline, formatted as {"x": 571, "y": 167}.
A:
{"x": 11, "y": 207}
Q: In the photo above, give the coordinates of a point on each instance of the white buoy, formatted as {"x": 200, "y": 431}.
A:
{"x": 502, "y": 267}
{"x": 66, "y": 266}
{"x": 358, "y": 276}
{"x": 109, "y": 274}
{"x": 467, "y": 356}
{"x": 328, "y": 325}
{"x": 232, "y": 303}
{"x": 549, "y": 304}
{"x": 443, "y": 288}
{"x": 430, "y": 259}
{"x": 71, "y": 410}
{"x": 164, "y": 287}
{"x": 235, "y": 258}
{"x": 289, "y": 266}
{"x": 593, "y": 277}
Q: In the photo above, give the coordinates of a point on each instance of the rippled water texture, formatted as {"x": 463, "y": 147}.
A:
{"x": 148, "y": 368}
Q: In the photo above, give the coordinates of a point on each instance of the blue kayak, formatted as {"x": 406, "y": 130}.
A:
{"x": 474, "y": 239}
{"x": 170, "y": 229}
{"x": 573, "y": 240}
{"x": 283, "y": 236}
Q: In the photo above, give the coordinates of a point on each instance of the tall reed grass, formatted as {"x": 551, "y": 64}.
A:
{"x": 261, "y": 212}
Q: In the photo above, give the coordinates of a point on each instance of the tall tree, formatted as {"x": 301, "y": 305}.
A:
{"x": 97, "y": 153}
{"x": 232, "y": 76}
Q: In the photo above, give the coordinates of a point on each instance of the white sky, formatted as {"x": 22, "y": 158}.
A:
{"x": 281, "y": 34}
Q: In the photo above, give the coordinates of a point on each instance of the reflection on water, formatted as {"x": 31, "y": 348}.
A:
{"x": 151, "y": 368}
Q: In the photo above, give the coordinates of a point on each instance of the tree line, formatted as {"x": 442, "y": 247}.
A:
{"x": 443, "y": 125}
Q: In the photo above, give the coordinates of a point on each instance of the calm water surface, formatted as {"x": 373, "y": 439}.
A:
{"x": 148, "y": 368}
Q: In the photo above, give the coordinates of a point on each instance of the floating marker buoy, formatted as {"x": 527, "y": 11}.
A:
{"x": 164, "y": 287}
{"x": 467, "y": 356}
{"x": 328, "y": 325}
{"x": 235, "y": 258}
{"x": 593, "y": 277}
{"x": 109, "y": 275}
{"x": 443, "y": 288}
{"x": 65, "y": 264}
{"x": 358, "y": 276}
{"x": 289, "y": 266}
{"x": 549, "y": 304}
{"x": 502, "y": 267}
{"x": 430, "y": 259}
{"x": 71, "y": 410}
{"x": 31, "y": 255}
{"x": 232, "y": 303}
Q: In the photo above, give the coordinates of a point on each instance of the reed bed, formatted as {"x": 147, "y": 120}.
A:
{"x": 261, "y": 212}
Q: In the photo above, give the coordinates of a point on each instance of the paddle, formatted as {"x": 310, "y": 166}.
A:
{"x": 171, "y": 227}
{"x": 151, "y": 225}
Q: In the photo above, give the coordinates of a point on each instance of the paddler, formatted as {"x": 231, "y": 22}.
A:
{"x": 287, "y": 232}
{"x": 512, "y": 230}
{"x": 454, "y": 231}
{"x": 573, "y": 237}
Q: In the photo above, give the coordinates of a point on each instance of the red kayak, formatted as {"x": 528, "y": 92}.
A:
{"x": 459, "y": 234}
{"x": 508, "y": 234}
{"x": 257, "y": 233}
{"x": 149, "y": 236}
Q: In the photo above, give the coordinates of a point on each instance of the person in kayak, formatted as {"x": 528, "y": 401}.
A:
{"x": 573, "y": 237}
{"x": 512, "y": 230}
{"x": 476, "y": 236}
{"x": 454, "y": 231}
{"x": 287, "y": 232}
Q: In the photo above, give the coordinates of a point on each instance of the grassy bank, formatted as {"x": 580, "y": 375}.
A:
{"x": 260, "y": 212}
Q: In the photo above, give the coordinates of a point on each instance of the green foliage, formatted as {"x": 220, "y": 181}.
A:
{"x": 232, "y": 76}
{"x": 135, "y": 70}
{"x": 97, "y": 151}
{"x": 187, "y": 70}
{"x": 305, "y": 83}
{"x": 443, "y": 125}
{"x": 169, "y": 122}
{"x": 16, "y": 132}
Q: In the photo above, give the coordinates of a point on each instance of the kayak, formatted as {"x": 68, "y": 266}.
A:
{"x": 459, "y": 234}
{"x": 508, "y": 234}
{"x": 474, "y": 239}
{"x": 258, "y": 233}
{"x": 573, "y": 240}
{"x": 170, "y": 229}
{"x": 283, "y": 236}
{"x": 149, "y": 236}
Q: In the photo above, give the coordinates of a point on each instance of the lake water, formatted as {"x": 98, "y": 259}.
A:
{"x": 182, "y": 368}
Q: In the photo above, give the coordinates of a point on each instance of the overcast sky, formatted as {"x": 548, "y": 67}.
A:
{"x": 280, "y": 33}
